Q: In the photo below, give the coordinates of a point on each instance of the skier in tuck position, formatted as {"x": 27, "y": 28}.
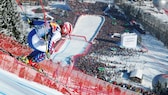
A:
{"x": 43, "y": 39}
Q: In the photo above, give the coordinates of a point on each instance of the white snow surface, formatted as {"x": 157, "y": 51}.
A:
{"x": 155, "y": 61}
{"x": 86, "y": 29}
{"x": 11, "y": 84}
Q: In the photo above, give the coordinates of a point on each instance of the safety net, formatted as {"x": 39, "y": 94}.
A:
{"x": 62, "y": 78}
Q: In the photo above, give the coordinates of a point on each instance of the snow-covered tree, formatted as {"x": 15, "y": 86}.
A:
{"x": 11, "y": 22}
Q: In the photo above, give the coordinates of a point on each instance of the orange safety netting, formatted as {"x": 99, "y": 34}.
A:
{"x": 64, "y": 79}
{"x": 59, "y": 78}
{"x": 12, "y": 46}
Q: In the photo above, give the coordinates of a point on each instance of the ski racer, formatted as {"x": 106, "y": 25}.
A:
{"x": 49, "y": 33}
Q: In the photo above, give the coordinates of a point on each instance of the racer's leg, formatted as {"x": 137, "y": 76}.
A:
{"x": 33, "y": 59}
{"x": 36, "y": 56}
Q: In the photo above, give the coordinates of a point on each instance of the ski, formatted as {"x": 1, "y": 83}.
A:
{"x": 20, "y": 59}
{"x": 33, "y": 65}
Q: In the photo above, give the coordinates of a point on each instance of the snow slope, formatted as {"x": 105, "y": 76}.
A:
{"x": 10, "y": 84}
{"x": 86, "y": 29}
{"x": 155, "y": 61}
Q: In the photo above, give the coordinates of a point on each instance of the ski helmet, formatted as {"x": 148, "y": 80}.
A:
{"x": 66, "y": 28}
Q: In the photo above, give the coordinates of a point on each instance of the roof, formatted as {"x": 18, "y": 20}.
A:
{"x": 137, "y": 73}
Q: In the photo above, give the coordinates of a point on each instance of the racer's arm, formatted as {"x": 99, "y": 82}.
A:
{"x": 42, "y": 31}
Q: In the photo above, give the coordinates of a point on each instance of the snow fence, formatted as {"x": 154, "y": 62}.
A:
{"x": 63, "y": 79}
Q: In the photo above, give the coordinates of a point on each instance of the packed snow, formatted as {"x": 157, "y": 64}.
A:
{"x": 80, "y": 39}
{"x": 13, "y": 85}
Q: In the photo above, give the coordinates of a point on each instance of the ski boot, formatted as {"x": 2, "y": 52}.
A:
{"x": 23, "y": 59}
{"x": 34, "y": 65}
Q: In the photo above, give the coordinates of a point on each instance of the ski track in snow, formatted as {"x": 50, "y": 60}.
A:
{"x": 10, "y": 84}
